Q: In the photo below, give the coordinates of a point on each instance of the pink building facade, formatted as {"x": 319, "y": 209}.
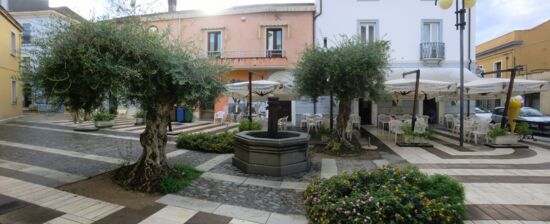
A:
{"x": 264, "y": 39}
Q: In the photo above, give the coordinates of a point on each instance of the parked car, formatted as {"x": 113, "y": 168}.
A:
{"x": 482, "y": 114}
{"x": 538, "y": 122}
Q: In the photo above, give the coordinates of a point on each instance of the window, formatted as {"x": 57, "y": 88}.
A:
{"x": 497, "y": 67}
{"x": 274, "y": 42}
{"x": 13, "y": 44}
{"x": 214, "y": 44}
{"x": 368, "y": 32}
{"x": 431, "y": 32}
{"x": 27, "y": 33}
{"x": 13, "y": 92}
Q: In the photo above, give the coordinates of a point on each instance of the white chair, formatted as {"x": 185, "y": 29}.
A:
{"x": 219, "y": 116}
{"x": 456, "y": 125}
{"x": 384, "y": 120}
{"x": 303, "y": 120}
{"x": 349, "y": 130}
{"x": 420, "y": 127}
{"x": 355, "y": 120}
{"x": 395, "y": 127}
{"x": 311, "y": 123}
{"x": 449, "y": 120}
{"x": 481, "y": 129}
{"x": 282, "y": 122}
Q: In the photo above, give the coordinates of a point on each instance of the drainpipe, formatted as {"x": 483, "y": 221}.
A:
{"x": 315, "y": 19}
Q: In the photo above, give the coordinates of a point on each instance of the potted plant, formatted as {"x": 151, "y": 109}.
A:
{"x": 140, "y": 117}
{"x": 500, "y": 136}
{"x": 104, "y": 120}
{"x": 523, "y": 130}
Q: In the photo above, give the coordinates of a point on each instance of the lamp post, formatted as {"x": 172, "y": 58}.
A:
{"x": 461, "y": 6}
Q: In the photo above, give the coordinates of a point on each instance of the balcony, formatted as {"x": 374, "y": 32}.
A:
{"x": 250, "y": 58}
{"x": 432, "y": 52}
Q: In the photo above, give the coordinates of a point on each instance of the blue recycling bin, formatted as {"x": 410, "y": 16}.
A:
{"x": 180, "y": 114}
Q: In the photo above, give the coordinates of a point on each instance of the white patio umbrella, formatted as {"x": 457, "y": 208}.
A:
{"x": 406, "y": 87}
{"x": 500, "y": 85}
{"x": 261, "y": 90}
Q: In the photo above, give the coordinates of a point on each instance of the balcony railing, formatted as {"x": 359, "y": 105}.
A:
{"x": 432, "y": 51}
{"x": 246, "y": 54}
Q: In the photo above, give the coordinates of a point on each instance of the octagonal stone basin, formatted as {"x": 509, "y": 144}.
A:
{"x": 256, "y": 154}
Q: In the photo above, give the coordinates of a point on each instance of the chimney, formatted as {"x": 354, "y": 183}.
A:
{"x": 172, "y": 5}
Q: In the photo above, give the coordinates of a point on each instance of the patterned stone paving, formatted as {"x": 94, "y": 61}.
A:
{"x": 502, "y": 185}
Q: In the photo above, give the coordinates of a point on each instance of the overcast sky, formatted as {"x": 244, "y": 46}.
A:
{"x": 494, "y": 17}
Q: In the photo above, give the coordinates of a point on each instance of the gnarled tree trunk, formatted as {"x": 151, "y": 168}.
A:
{"x": 145, "y": 174}
{"x": 344, "y": 110}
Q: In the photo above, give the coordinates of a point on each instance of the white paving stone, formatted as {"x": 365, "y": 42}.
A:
{"x": 240, "y": 221}
{"x": 76, "y": 207}
{"x": 170, "y": 215}
{"x": 328, "y": 168}
{"x": 507, "y": 193}
{"x": 249, "y": 214}
{"x": 176, "y": 153}
{"x": 380, "y": 163}
{"x": 276, "y": 218}
{"x": 488, "y": 172}
{"x": 190, "y": 203}
{"x": 206, "y": 166}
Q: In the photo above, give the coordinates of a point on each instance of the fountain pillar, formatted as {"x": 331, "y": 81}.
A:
{"x": 273, "y": 118}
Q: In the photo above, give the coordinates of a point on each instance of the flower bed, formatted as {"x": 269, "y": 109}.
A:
{"x": 388, "y": 195}
{"x": 219, "y": 143}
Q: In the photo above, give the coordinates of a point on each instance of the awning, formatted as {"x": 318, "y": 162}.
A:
{"x": 437, "y": 74}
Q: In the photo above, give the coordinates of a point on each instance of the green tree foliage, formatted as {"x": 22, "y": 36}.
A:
{"x": 83, "y": 64}
{"x": 349, "y": 70}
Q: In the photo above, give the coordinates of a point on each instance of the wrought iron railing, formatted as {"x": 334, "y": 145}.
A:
{"x": 246, "y": 54}
{"x": 432, "y": 50}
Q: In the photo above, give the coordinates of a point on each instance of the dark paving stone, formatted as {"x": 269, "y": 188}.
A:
{"x": 519, "y": 153}
{"x": 130, "y": 215}
{"x": 193, "y": 158}
{"x": 207, "y": 218}
{"x": 256, "y": 197}
{"x": 508, "y": 212}
{"x": 97, "y": 145}
{"x": 30, "y": 178}
{"x": 8, "y": 204}
{"x": 30, "y": 215}
{"x": 83, "y": 167}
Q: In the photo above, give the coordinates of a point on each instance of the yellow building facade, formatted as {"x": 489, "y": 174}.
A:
{"x": 11, "y": 93}
{"x": 530, "y": 48}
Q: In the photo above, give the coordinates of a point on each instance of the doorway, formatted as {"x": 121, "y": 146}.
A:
{"x": 286, "y": 109}
{"x": 365, "y": 111}
{"x": 430, "y": 109}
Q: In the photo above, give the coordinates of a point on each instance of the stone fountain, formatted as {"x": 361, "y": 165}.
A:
{"x": 272, "y": 152}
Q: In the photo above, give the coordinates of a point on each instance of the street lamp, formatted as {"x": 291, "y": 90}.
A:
{"x": 460, "y": 25}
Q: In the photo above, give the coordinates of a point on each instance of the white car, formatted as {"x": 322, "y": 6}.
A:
{"x": 482, "y": 114}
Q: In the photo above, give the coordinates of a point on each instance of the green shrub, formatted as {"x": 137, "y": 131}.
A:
{"x": 139, "y": 114}
{"x": 523, "y": 129}
{"x": 388, "y": 195}
{"x": 497, "y": 131}
{"x": 219, "y": 143}
{"x": 171, "y": 184}
{"x": 102, "y": 116}
{"x": 246, "y": 125}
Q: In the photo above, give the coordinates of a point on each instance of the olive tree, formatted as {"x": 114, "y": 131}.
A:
{"x": 349, "y": 70}
{"x": 83, "y": 64}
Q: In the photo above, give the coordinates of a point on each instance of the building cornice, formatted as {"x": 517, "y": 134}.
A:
{"x": 499, "y": 48}
{"x": 10, "y": 19}
{"x": 248, "y": 9}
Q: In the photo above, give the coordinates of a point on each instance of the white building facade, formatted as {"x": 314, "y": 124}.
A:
{"x": 421, "y": 35}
